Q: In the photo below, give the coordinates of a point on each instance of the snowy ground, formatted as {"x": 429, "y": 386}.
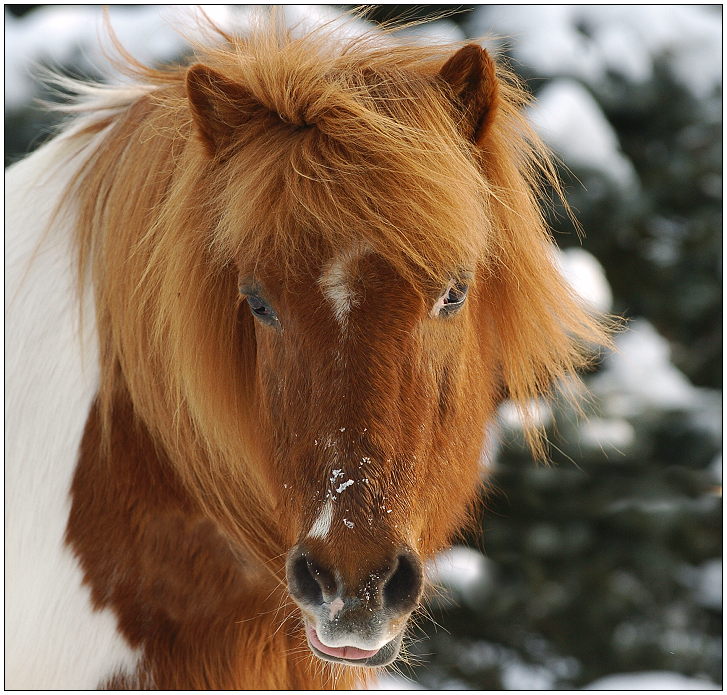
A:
{"x": 646, "y": 680}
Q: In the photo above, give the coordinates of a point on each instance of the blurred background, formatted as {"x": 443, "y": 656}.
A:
{"x": 604, "y": 569}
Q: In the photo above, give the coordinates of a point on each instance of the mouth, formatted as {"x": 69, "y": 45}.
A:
{"x": 353, "y": 655}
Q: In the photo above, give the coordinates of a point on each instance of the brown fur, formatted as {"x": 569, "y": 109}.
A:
{"x": 208, "y": 452}
{"x": 205, "y": 617}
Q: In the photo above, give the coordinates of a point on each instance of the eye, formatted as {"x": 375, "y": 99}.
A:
{"x": 455, "y": 296}
{"x": 262, "y": 310}
{"x": 451, "y": 301}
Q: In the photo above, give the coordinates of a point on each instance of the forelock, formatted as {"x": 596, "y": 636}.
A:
{"x": 356, "y": 142}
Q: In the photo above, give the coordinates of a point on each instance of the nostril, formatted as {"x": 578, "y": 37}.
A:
{"x": 303, "y": 584}
{"x": 403, "y": 587}
{"x": 307, "y": 580}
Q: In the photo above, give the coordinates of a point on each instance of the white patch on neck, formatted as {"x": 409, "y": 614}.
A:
{"x": 335, "y": 283}
{"x": 55, "y": 636}
{"x": 322, "y": 525}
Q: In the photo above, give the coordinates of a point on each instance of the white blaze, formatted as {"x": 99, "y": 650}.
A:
{"x": 335, "y": 283}
{"x": 322, "y": 524}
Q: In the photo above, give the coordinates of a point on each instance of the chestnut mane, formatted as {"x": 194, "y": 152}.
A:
{"x": 336, "y": 141}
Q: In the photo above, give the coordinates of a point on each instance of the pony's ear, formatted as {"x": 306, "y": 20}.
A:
{"x": 470, "y": 73}
{"x": 218, "y": 105}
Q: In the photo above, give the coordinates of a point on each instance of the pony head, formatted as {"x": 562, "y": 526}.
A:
{"x": 374, "y": 372}
{"x": 329, "y": 269}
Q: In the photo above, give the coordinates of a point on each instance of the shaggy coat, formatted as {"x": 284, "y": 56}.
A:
{"x": 246, "y": 487}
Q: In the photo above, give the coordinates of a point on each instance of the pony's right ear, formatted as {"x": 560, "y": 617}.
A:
{"x": 218, "y": 105}
{"x": 470, "y": 74}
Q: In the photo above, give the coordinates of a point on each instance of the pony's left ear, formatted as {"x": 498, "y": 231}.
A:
{"x": 471, "y": 75}
{"x": 218, "y": 105}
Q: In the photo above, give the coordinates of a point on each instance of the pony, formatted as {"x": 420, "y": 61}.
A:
{"x": 261, "y": 309}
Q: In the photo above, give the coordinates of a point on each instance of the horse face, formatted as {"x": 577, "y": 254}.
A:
{"x": 372, "y": 387}
{"x": 373, "y": 393}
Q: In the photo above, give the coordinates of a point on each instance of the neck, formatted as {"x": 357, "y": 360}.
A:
{"x": 202, "y": 614}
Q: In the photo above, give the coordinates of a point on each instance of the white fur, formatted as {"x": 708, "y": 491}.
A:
{"x": 322, "y": 524}
{"x": 334, "y": 607}
{"x": 53, "y": 636}
{"x": 336, "y": 286}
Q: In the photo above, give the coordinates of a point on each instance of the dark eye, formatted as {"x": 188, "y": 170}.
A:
{"x": 456, "y": 295}
{"x": 452, "y": 300}
{"x": 262, "y": 310}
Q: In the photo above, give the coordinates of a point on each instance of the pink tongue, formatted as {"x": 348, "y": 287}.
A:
{"x": 340, "y": 652}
